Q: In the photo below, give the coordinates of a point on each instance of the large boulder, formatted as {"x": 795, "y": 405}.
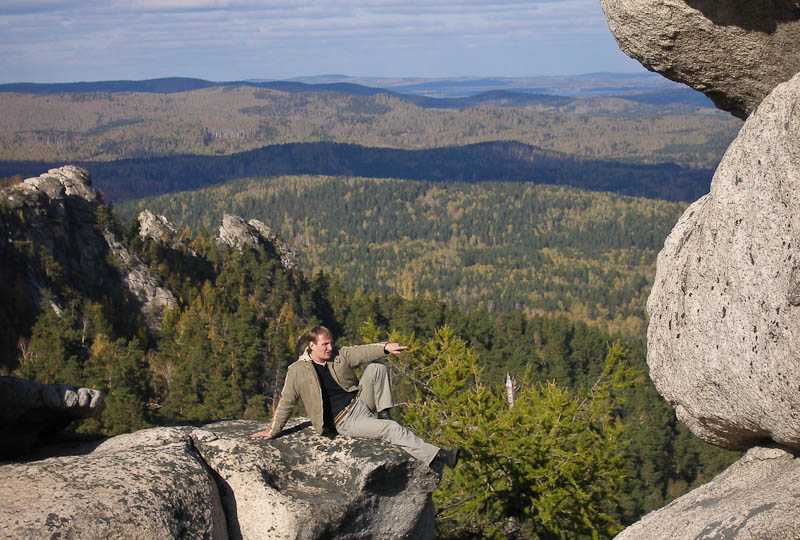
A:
{"x": 154, "y": 485}
{"x": 304, "y": 486}
{"x": 724, "y": 332}
{"x": 218, "y": 482}
{"x": 735, "y": 51}
{"x": 753, "y": 499}
{"x": 30, "y": 410}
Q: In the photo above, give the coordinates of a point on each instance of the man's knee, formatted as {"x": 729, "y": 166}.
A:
{"x": 376, "y": 369}
{"x": 391, "y": 430}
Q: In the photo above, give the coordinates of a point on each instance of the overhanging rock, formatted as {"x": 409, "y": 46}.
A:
{"x": 735, "y": 51}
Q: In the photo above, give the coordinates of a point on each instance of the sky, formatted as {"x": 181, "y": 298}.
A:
{"x": 220, "y": 40}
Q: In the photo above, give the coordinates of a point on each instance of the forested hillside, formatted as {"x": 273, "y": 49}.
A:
{"x": 223, "y": 351}
{"x": 499, "y": 160}
{"x": 500, "y": 246}
{"x": 422, "y": 221}
{"x": 102, "y": 126}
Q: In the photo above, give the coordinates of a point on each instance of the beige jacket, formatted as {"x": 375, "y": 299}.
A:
{"x": 302, "y": 382}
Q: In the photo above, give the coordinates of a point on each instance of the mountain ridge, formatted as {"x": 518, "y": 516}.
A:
{"x": 418, "y": 94}
{"x": 490, "y": 161}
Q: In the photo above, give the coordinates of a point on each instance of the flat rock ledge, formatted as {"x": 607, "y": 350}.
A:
{"x": 217, "y": 482}
{"x": 756, "y": 498}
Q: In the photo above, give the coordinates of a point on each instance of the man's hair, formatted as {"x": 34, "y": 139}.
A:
{"x": 311, "y": 337}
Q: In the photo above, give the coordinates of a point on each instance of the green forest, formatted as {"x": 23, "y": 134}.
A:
{"x": 498, "y": 246}
{"x": 586, "y": 418}
{"x": 425, "y": 224}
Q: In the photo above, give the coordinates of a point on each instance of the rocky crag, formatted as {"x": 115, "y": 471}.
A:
{"x": 724, "y": 330}
{"x": 56, "y": 231}
{"x": 237, "y": 233}
{"x": 55, "y": 228}
{"x": 216, "y": 482}
{"x": 29, "y": 409}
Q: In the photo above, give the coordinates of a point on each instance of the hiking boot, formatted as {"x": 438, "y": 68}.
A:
{"x": 445, "y": 457}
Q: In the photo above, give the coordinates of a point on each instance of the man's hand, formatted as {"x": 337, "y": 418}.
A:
{"x": 394, "y": 348}
{"x": 266, "y": 434}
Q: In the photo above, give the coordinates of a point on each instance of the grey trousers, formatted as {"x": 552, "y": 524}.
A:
{"x": 375, "y": 395}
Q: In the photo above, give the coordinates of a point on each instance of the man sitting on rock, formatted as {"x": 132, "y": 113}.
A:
{"x": 325, "y": 380}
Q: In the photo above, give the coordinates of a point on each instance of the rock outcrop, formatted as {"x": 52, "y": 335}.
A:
{"x": 217, "y": 482}
{"x": 302, "y": 485}
{"x": 754, "y": 499}
{"x": 154, "y": 299}
{"x": 29, "y": 409}
{"x": 156, "y": 227}
{"x": 237, "y": 233}
{"x": 724, "y": 331}
{"x": 724, "y": 334}
{"x": 150, "y": 484}
{"x": 735, "y": 51}
{"x": 59, "y": 214}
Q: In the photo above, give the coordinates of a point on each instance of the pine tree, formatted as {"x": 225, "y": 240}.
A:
{"x": 551, "y": 466}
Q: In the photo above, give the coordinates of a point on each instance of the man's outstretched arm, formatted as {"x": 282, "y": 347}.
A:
{"x": 364, "y": 354}
{"x": 282, "y": 411}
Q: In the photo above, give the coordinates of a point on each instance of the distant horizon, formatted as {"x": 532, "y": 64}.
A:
{"x": 303, "y": 78}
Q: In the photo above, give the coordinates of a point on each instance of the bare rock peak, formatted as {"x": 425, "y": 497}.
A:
{"x": 59, "y": 210}
{"x": 237, "y": 233}
{"x": 156, "y": 227}
{"x": 73, "y": 181}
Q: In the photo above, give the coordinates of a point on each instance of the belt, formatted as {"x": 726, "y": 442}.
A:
{"x": 343, "y": 412}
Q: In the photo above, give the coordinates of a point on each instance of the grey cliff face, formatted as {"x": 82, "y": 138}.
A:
{"x": 217, "y": 482}
{"x": 735, "y": 51}
{"x": 754, "y": 499}
{"x": 143, "y": 285}
{"x": 724, "y": 333}
{"x": 237, "y": 233}
{"x": 58, "y": 215}
{"x": 29, "y": 409}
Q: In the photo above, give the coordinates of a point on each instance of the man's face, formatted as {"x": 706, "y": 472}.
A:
{"x": 322, "y": 349}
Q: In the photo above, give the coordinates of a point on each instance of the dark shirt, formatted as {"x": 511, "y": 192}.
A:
{"x": 334, "y": 397}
